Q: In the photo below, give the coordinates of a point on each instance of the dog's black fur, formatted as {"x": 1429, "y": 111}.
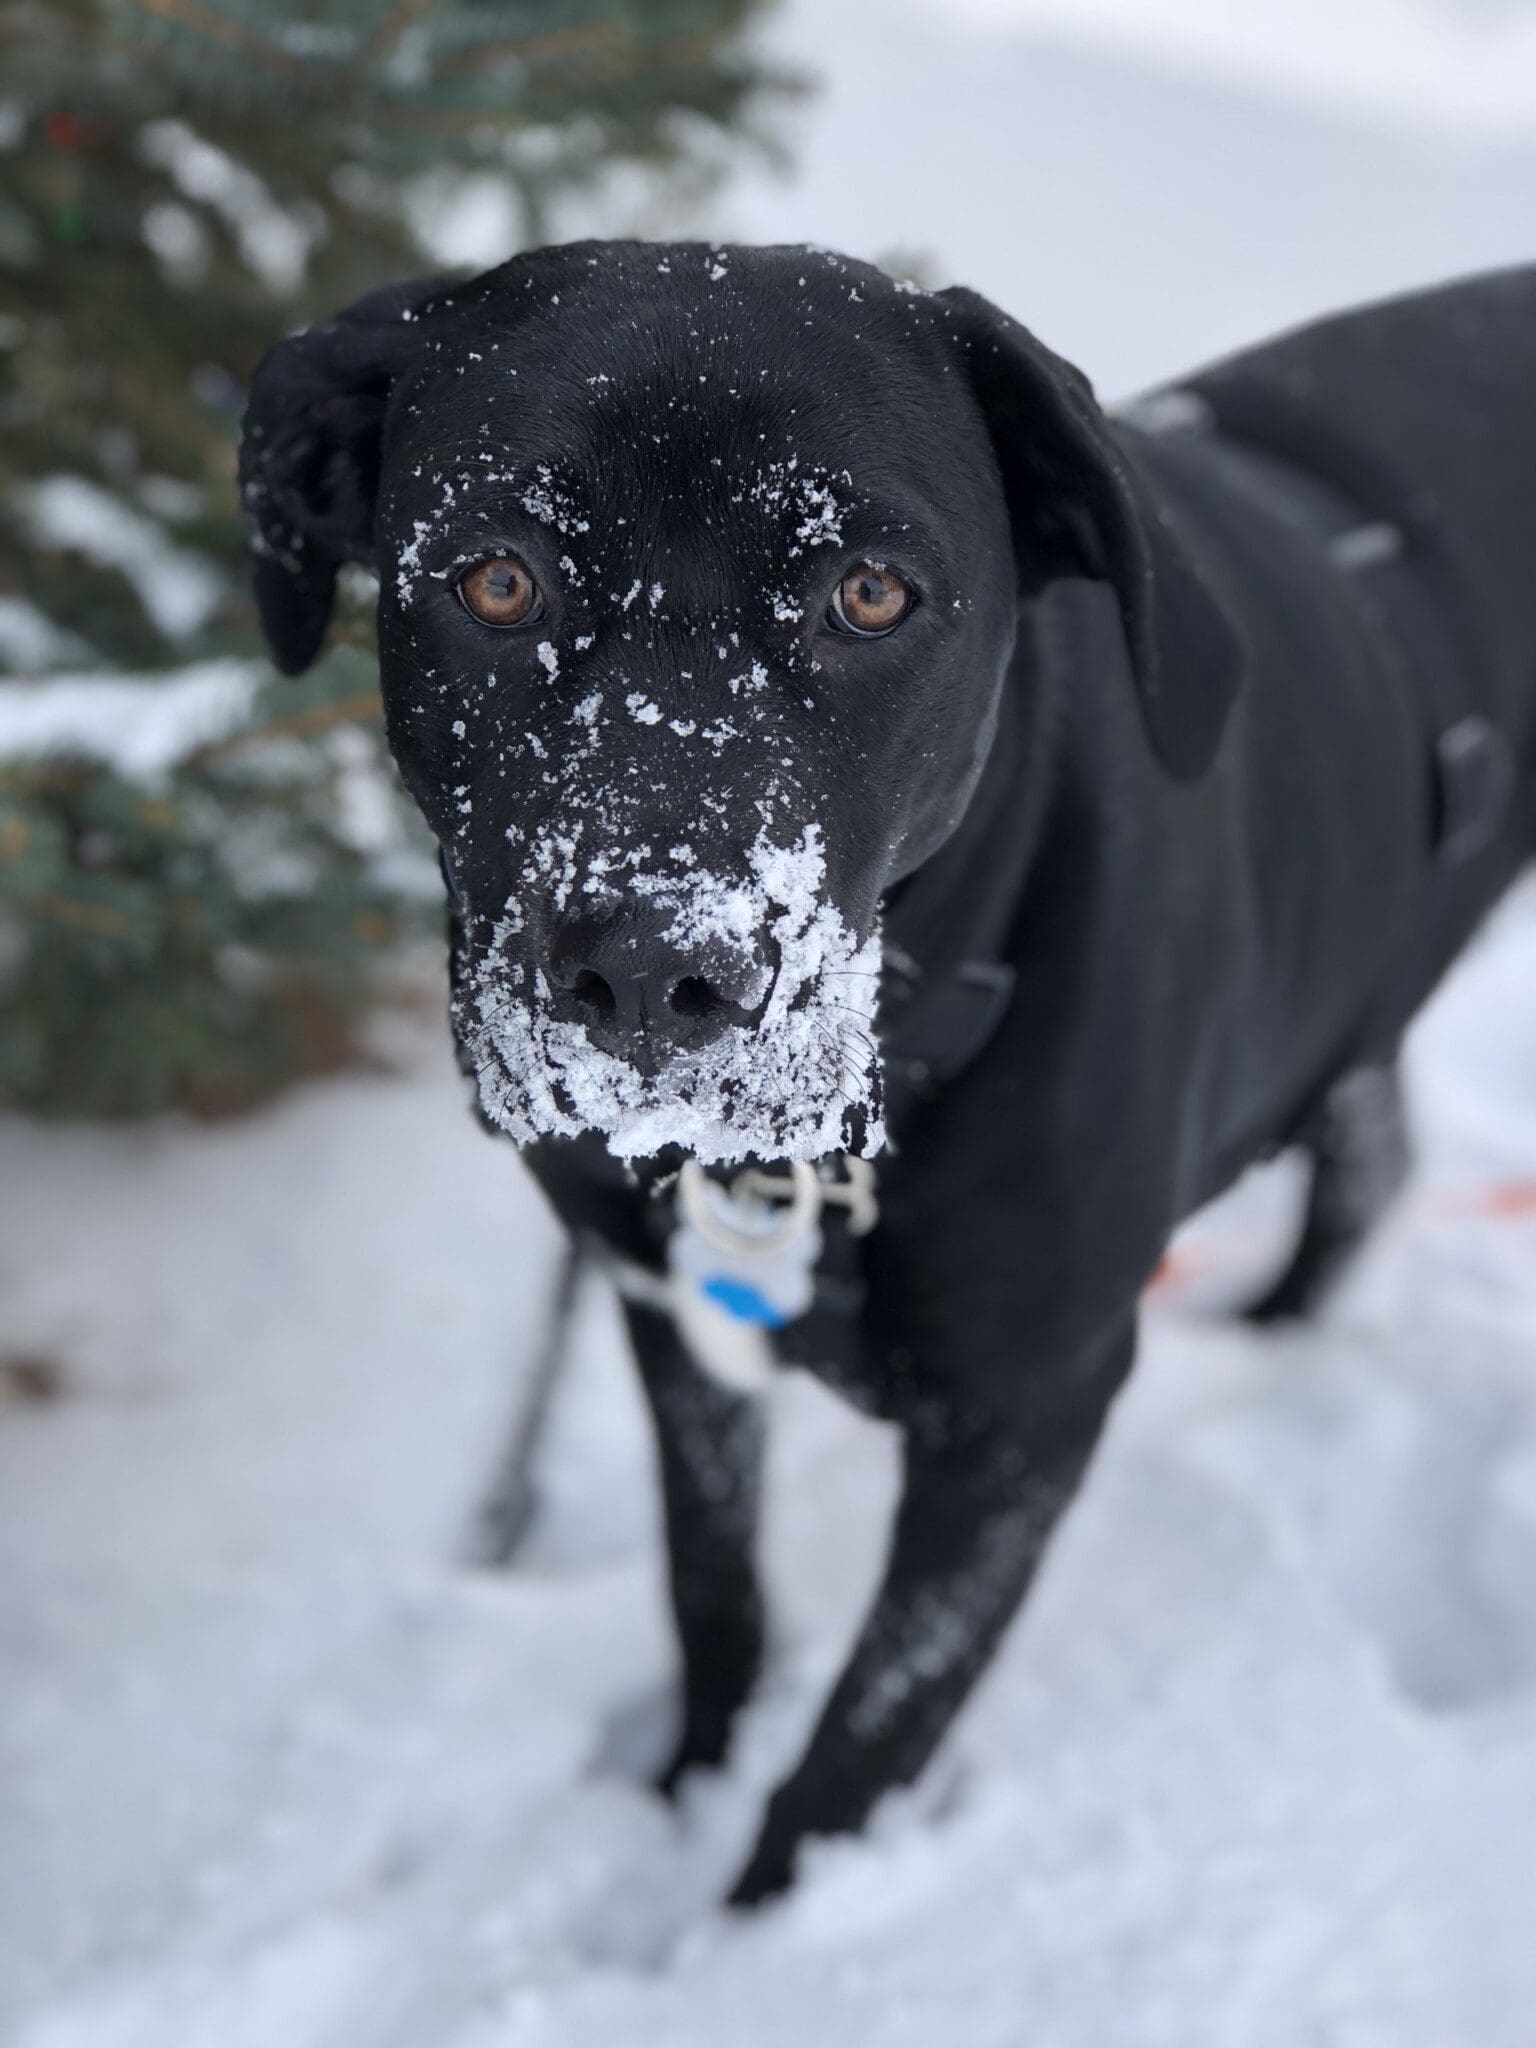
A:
{"x": 1240, "y": 685}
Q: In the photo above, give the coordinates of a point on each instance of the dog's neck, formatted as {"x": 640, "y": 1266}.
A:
{"x": 956, "y": 906}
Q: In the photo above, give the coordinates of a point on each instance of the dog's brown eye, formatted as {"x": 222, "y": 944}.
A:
{"x": 869, "y": 600}
{"x": 500, "y": 592}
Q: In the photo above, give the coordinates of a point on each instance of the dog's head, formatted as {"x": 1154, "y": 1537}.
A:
{"x": 700, "y": 571}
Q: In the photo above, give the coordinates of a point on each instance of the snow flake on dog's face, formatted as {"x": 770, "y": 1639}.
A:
{"x": 807, "y": 504}
{"x": 551, "y": 504}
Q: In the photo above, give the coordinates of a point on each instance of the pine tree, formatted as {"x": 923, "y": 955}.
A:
{"x": 180, "y": 181}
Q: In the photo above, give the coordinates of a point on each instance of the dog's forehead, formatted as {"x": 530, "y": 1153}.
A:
{"x": 642, "y": 421}
{"x": 640, "y": 364}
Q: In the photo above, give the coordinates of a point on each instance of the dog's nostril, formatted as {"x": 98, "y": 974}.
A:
{"x": 593, "y": 993}
{"x": 634, "y": 998}
{"x": 692, "y": 997}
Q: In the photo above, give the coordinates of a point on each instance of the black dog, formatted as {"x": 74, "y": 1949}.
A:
{"x": 785, "y": 659}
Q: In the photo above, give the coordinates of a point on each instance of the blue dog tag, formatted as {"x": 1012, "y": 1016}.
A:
{"x": 739, "y": 1298}
{"x": 750, "y": 1258}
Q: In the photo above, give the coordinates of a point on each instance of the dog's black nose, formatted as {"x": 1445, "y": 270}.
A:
{"x": 628, "y": 990}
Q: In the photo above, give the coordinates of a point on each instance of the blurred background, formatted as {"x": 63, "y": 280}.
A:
{"x": 279, "y": 1764}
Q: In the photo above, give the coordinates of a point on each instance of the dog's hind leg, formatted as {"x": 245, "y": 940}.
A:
{"x": 709, "y": 1441}
{"x": 511, "y": 1502}
{"x": 980, "y": 1497}
{"x": 1359, "y": 1158}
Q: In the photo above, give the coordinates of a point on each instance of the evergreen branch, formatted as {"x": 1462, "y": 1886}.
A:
{"x": 549, "y": 48}
{"x": 314, "y": 718}
{"x": 75, "y": 911}
{"x": 385, "y": 34}
{"x": 624, "y": 52}
{"x": 616, "y": 70}
{"x": 39, "y": 778}
{"x": 127, "y": 897}
{"x": 219, "y": 28}
{"x": 60, "y": 777}
{"x": 15, "y": 831}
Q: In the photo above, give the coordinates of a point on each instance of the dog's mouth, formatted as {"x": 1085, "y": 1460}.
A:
{"x": 797, "y": 1078}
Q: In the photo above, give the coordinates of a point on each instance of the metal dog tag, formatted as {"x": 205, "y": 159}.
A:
{"x": 752, "y": 1258}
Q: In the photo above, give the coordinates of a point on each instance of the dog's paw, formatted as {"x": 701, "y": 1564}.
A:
{"x": 1290, "y": 1300}
{"x": 765, "y": 1877}
{"x": 649, "y": 1740}
{"x": 690, "y": 1754}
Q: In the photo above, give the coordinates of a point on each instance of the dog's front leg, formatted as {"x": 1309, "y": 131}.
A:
{"x": 979, "y": 1500}
{"x": 709, "y": 1443}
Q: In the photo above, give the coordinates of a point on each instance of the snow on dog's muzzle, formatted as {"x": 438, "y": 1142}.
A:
{"x": 786, "y": 1066}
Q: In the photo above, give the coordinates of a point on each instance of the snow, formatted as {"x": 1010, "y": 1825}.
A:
{"x": 29, "y": 639}
{"x": 782, "y": 1090}
{"x": 1140, "y": 199}
{"x": 1257, "y": 1769}
{"x": 178, "y": 589}
{"x": 141, "y": 725}
{"x": 1469, "y": 69}
{"x": 274, "y": 240}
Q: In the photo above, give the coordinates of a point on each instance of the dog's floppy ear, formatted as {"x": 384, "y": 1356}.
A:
{"x": 1080, "y": 504}
{"x": 309, "y": 458}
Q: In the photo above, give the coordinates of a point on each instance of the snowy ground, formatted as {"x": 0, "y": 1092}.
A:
{"x": 1257, "y": 1770}
{"x": 279, "y": 1771}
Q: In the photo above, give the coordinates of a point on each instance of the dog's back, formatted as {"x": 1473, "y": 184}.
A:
{"x": 1423, "y": 411}
{"x": 1362, "y": 491}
